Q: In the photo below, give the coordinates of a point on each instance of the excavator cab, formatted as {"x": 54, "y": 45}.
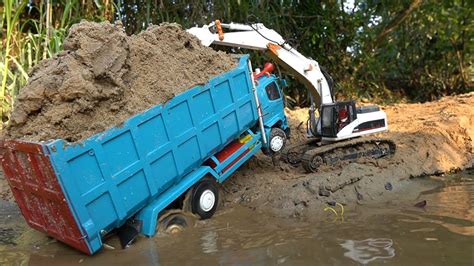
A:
{"x": 336, "y": 116}
{"x": 344, "y": 120}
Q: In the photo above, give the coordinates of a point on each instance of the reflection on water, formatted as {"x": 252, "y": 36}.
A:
{"x": 19, "y": 258}
{"x": 439, "y": 234}
{"x": 456, "y": 201}
{"x": 209, "y": 242}
{"x": 450, "y": 206}
{"x": 365, "y": 251}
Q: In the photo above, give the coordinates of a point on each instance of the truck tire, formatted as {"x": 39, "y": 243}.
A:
{"x": 204, "y": 198}
{"x": 277, "y": 140}
{"x": 172, "y": 221}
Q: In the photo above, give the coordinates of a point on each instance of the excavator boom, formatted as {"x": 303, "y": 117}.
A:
{"x": 258, "y": 37}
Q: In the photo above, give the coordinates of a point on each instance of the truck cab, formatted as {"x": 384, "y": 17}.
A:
{"x": 269, "y": 88}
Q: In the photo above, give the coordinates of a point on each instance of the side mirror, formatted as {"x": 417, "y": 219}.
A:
{"x": 283, "y": 83}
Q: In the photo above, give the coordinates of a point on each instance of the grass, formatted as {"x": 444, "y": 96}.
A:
{"x": 10, "y": 18}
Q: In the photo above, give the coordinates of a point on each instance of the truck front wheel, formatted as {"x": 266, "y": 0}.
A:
{"x": 277, "y": 140}
{"x": 204, "y": 198}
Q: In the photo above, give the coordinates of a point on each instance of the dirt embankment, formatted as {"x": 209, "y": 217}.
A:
{"x": 431, "y": 138}
{"x": 104, "y": 76}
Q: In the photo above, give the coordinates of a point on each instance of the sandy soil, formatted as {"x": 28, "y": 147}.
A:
{"x": 104, "y": 76}
{"x": 431, "y": 138}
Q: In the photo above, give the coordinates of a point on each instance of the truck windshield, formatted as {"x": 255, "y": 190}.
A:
{"x": 272, "y": 91}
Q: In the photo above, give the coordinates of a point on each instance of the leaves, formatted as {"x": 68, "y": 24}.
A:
{"x": 423, "y": 48}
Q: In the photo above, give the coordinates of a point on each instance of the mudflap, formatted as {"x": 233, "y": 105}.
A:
{"x": 129, "y": 232}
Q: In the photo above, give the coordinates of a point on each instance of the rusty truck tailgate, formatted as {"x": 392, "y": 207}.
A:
{"x": 36, "y": 189}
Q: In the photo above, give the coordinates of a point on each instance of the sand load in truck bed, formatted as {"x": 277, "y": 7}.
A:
{"x": 104, "y": 76}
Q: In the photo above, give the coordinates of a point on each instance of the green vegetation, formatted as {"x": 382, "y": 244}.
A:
{"x": 384, "y": 51}
{"x": 33, "y": 31}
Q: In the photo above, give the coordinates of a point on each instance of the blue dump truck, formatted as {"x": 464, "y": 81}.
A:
{"x": 128, "y": 175}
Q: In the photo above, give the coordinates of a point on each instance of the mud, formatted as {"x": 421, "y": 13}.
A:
{"x": 104, "y": 76}
{"x": 388, "y": 234}
{"x": 431, "y": 138}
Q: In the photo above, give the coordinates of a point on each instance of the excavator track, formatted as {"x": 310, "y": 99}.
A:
{"x": 294, "y": 154}
{"x": 312, "y": 156}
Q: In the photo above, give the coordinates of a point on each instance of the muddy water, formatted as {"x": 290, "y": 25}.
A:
{"x": 441, "y": 233}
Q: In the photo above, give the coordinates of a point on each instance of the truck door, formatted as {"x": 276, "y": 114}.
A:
{"x": 273, "y": 106}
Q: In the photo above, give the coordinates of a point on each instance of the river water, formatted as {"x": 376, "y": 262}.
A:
{"x": 441, "y": 233}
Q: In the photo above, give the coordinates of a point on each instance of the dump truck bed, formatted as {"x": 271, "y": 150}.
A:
{"x": 76, "y": 192}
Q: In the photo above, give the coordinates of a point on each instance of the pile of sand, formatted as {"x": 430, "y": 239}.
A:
{"x": 104, "y": 76}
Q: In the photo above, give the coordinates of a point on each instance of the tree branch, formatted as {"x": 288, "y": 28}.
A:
{"x": 399, "y": 18}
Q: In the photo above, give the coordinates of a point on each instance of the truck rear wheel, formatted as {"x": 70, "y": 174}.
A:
{"x": 204, "y": 198}
{"x": 172, "y": 221}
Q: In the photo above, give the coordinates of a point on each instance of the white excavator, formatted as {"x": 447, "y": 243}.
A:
{"x": 333, "y": 127}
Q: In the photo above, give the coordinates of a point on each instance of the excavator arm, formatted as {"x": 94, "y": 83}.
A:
{"x": 258, "y": 37}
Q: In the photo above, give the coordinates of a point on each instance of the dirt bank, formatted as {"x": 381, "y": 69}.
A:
{"x": 431, "y": 138}
{"x": 104, "y": 76}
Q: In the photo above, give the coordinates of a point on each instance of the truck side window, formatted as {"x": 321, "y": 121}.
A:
{"x": 272, "y": 91}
